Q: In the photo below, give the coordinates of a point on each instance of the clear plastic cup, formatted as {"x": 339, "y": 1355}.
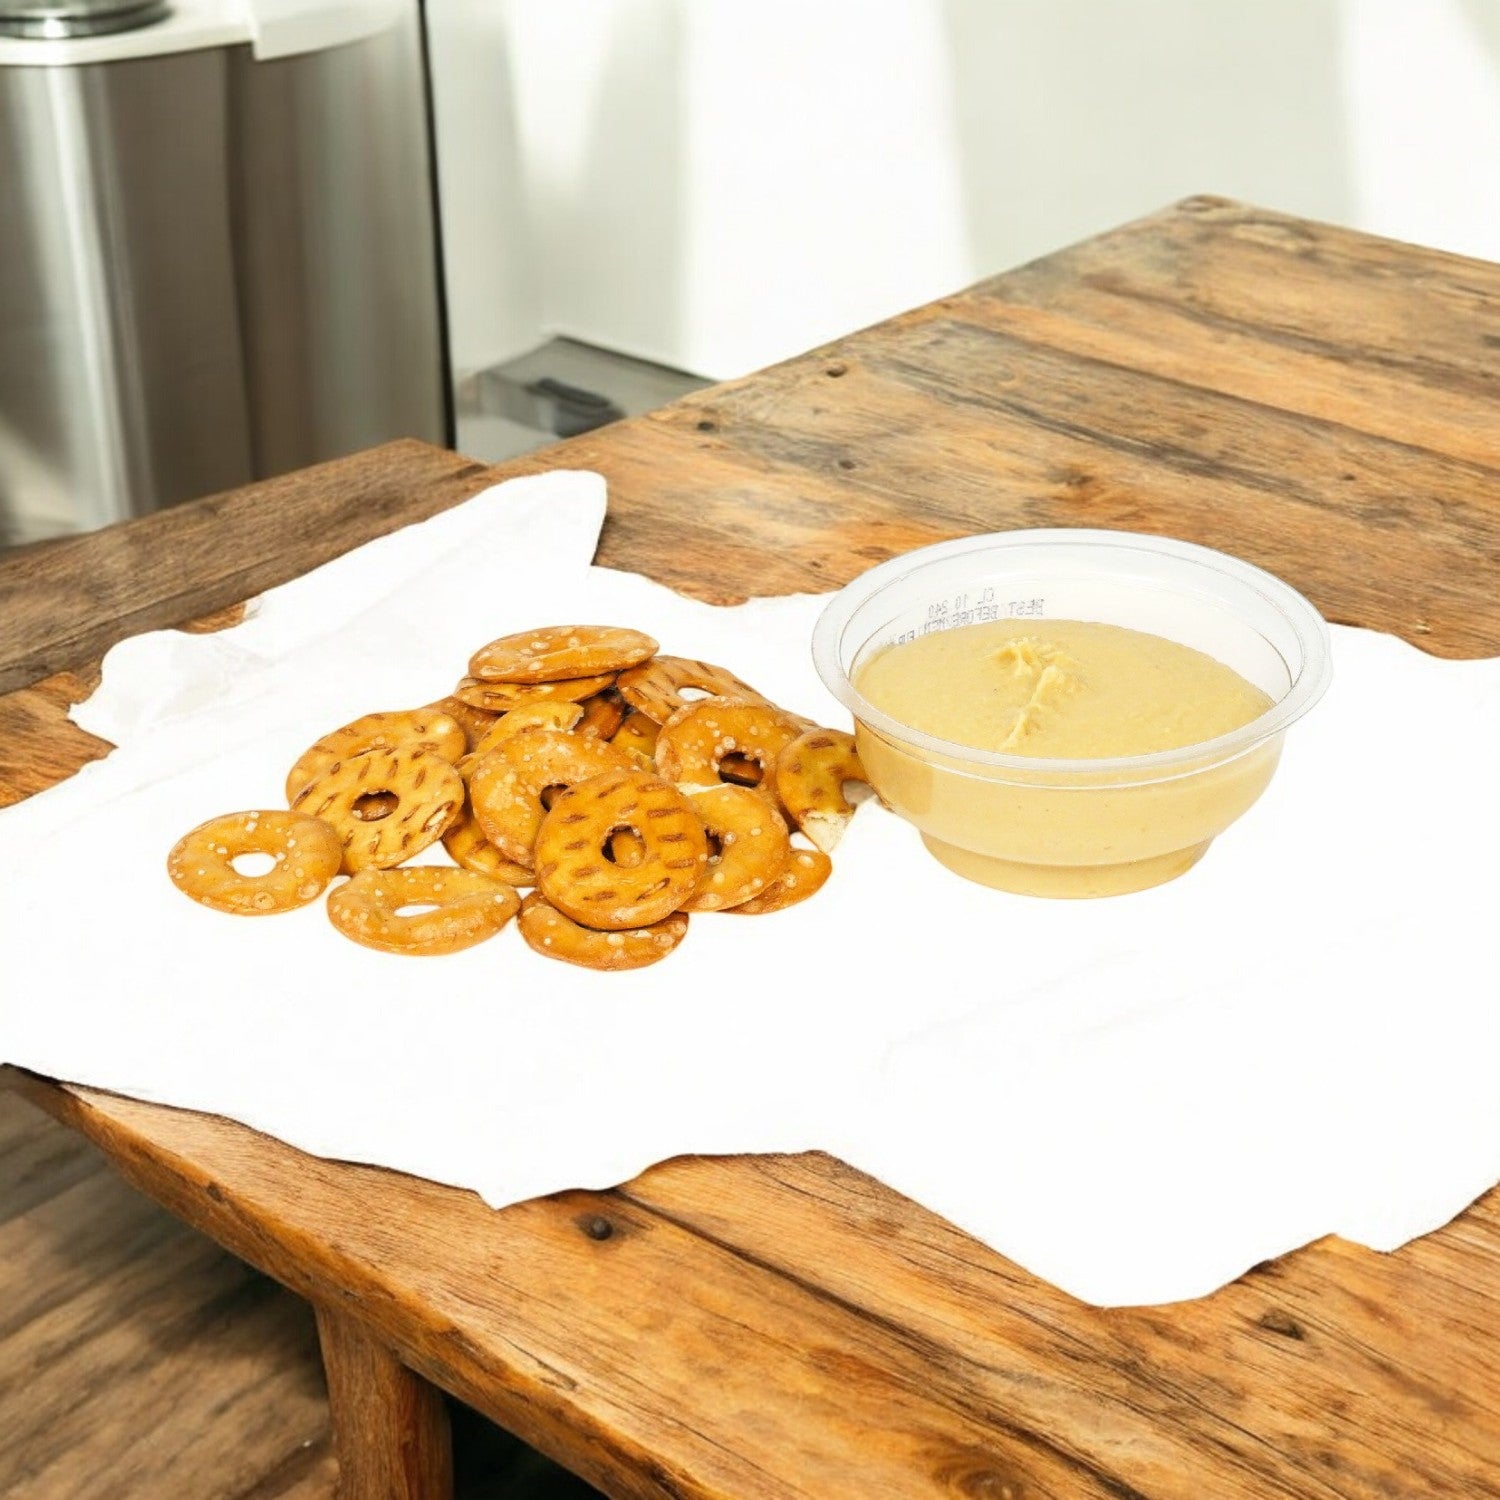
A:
{"x": 1091, "y": 827}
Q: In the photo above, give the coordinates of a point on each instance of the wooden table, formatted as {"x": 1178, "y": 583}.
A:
{"x": 1321, "y": 403}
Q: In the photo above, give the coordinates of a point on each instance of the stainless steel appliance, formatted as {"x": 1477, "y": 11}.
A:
{"x": 216, "y": 263}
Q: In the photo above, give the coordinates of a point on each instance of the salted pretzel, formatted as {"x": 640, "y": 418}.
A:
{"x": 378, "y": 731}
{"x": 508, "y": 785}
{"x": 802, "y": 876}
{"x": 719, "y": 739}
{"x": 603, "y": 714}
{"x": 501, "y": 697}
{"x": 748, "y": 846}
{"x": 466, "y": 843}
{"x": 574, "y": 868}
{"x": 307, "y": 855}
{"x": 554, "y": 935}
{"x": 385, "y": 805}
{"x": 541, "y": 713}
{"x": 464, "y": 909}
{"x": 473, "y": 721}
{"x": 657, "y": 686}
{"x": 810, "y": 775}
{"x": 559, "y": 651}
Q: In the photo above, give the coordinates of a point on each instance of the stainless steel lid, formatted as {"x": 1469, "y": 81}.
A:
{"x": 57, "y": 20}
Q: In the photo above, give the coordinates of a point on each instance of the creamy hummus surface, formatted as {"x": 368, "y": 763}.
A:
{"x": 1066, "y": 689}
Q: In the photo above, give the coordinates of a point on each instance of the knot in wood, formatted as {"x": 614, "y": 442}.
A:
{"x": 598, "y": 1227}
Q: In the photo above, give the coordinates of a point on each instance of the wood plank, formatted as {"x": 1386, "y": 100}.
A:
{"x": 67, "y": 603}
{"x": 390, "y": 1427}
{"x": 139, "y": 1360}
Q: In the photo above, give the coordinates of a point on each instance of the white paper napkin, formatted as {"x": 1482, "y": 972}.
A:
{"x": 1135, "y": 1098}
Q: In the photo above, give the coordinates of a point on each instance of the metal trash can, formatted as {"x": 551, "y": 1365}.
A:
{"x": 218, "y": 248}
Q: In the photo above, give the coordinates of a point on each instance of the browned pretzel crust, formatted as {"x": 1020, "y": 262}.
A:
{"x": 554, "y": 935}
{"x": 506, "y": 787}
{"x": 378, "y": 731}
{"x": 558, "y": 651}
{"x": 307, "y": 856}
{"x": 385, "y": 805}
{"x": 465, "y": 909}
{"x": 574, "y": 867}
{"x": 656, "y": 687}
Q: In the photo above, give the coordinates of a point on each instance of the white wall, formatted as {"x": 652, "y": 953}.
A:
{"x": 716, "y": 184}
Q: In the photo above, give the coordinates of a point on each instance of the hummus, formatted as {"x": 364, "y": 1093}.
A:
{"x": 1066, "y": 689}
{"x": 1050, "y": 690}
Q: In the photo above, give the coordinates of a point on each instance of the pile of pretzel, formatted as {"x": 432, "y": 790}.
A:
{"x": 626, "y": 788}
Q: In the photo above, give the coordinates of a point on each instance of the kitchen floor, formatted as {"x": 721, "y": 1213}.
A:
{"x": 138, "y": 1360}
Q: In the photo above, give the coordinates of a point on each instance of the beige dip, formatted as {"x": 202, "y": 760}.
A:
{"x": 1066, "y": 689}
{"x": 1062, "y": 690}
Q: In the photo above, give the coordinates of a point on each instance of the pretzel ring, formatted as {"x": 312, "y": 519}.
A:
{"x": 554, "y": 935}
{"x": 307, "y": 854}
{"x": 473, "y": 721}
{"x": 810, "y": 777}
{"x": 752, "y": 847}
{"x": 603, "y": 714}
{"x": 558, "y": 651}
{"x": 501, "y": 697}
{"x": 540, "y": 713}
{"x": 382, "y": 731}
{"x": 655, "y": 688}
{"x": 385, "y": 805}
{"x": 465, "y": 909}
{"x": 466, "y": 844}
{"x": 506, "y": 787}
{"x": 803, "y": 875}
{"x": 697, "y": 741}
{"x": 574, "y": 867}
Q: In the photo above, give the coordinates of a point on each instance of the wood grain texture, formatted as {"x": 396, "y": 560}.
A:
{"x": 1316, "y": 401}
{"x": 139, "y": 1360}
{"x": 390, "y": 1427}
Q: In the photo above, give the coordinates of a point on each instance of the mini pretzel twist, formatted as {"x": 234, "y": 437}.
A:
{"x": 751, "y": 843}
{"x": 575, "y": 869}
{"x": 554, "y": 935}
{"x": 306, "y": 851}
{"x": 466, "y": 908}
{"x": 385, "y": 805}
{"x": 559, "y": 651}
{"x": 507, "y": 786}
{"x": 810, "y": 776}
{"x": 378, "y": 731}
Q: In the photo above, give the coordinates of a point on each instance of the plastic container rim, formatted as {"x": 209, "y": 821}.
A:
{"x": 1306, "y": 623}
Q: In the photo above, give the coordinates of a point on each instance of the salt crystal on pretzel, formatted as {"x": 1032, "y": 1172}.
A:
{"x": 554, "y": 935}
{"x": 306, "y": 855}
{"x": 464, "y": 908}
{"x": 751, "y": 846}
{"x": 803, "y": 875}
{"x": 558, "y": 651}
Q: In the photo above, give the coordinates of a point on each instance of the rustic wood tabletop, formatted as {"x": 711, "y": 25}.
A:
{"x": 1318, "y": 402}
